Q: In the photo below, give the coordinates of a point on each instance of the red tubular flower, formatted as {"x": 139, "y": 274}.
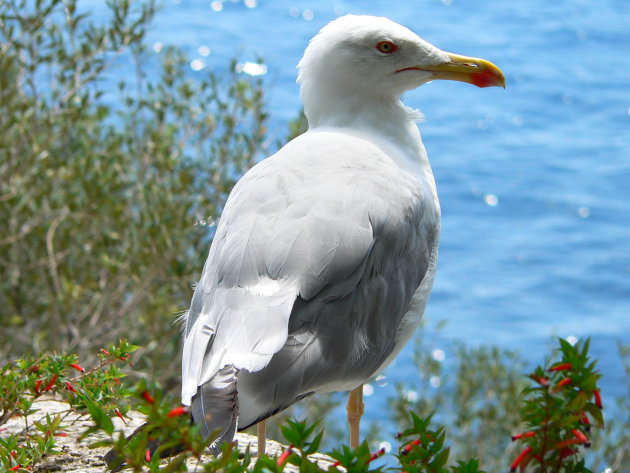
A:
{"x": 16, "y": 467}
{"x": 51, "y": 383}
{"x": 147, "y": 397}
{"x": 147, "y": 455}
{"x": 524, "y": 463}
{"x": 524, "y": 435}
{"x": 563, "y": 382}
{"x": 540, "y": 380}
{"x": 117, "y": 412}
{"x": 105, "y": 352}
{"x": 567, "y": 452}
{"x": 566, "y": 443}
{"x": 561, "y": 367}
{"x": 70, "y": 387}
{"x": 598, "y": 398}
{"x": 407, "y": 448}
{"x": 38, "y": 385}
{"x": 581, "y": 437}
{"x": 60, "y": 434}
{"x": 77, "y": 367}
{"x": 519, "y": 459}
{"x": 584, "y": 419}
{"x": 282, "y": 459}
{"x": 13, "y": 454}
{"x": 335, "y": 464}
{"x": 377, "y": 454}
{"x": 177, "y": 411}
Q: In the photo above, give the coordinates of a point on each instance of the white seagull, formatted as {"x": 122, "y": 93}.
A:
{"x": 325, "y": 254}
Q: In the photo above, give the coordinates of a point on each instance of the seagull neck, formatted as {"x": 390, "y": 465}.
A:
{"x": 386, "y": 121}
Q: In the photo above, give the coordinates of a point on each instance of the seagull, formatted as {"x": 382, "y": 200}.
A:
{"x": 325, "y": 253}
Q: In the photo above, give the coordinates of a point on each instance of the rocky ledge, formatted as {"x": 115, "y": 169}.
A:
{"x": 76, "y": 456}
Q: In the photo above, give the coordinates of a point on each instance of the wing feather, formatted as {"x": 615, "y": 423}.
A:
{"x": 292, "y": 232}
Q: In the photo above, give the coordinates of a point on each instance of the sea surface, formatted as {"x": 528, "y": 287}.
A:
{"x": 534, "y": 180}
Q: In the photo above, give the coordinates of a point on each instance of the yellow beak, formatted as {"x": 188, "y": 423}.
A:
{"x": 475, "y": 71}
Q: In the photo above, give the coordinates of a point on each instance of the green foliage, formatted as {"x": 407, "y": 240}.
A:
{"x": 96, "y": 391}
{"x": 168, "y": 432}
{"x": 426, "y": 452}
{"x": 298, "y": 435}
{"x": 107, "y": 210}
{"x": 321, "y": 407}
{"x": 613, "y": 442}
{"x": 421, "y": 450}
{"x": 558, "y": 412}
{"x": 475, "y": 399}
{"x": 556, "y": 417}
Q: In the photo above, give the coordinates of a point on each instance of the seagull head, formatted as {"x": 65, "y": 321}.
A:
{"x": 374, "y": 58}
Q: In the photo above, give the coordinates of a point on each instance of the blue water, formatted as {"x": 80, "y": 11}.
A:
{"x": 534, "y": 180}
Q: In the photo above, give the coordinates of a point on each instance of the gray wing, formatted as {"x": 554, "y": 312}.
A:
{"x": 309, "y": 238}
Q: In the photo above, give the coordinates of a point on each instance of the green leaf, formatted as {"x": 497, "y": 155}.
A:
{"x": 440, "y": 459}
{"x": 293, "y": 437}
{"x": 315, "y": 443}
{"x": 100, "y": 418}
{"x": 596, "y": 413}
{"x": 471, "y": 466}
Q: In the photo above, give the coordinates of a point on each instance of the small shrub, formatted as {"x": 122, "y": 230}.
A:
{"x": 108, "y": 194}
{"x": 557, "y": 412}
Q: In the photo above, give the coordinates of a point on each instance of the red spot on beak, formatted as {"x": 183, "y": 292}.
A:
{"x": 483, "y": 79}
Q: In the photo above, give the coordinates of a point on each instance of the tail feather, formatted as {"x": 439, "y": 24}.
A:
{"x": 215, "y": 407}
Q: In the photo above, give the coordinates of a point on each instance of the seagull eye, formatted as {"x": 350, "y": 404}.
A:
{"x": 386, "y": 47}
